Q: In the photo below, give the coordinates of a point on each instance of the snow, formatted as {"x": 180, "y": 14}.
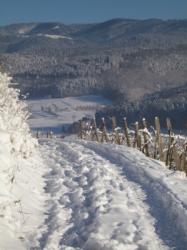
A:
{"x": 56, "y": 27}
{"x": 56, "y": 37}
{"x": 54, "y": 113}
{"x": 21, "y": 200}
{"x": 22, "y": 195}
{"x": 111, "y": 197}
{"x": 76, "y": 195}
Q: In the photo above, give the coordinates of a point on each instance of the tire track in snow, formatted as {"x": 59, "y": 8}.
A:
{"x": 56, "y": 213}
{"x": 91, "y": 205}
{"x": 168, "y": 210}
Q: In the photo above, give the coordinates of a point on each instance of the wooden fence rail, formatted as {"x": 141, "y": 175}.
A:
{"x": 168, "y": 148}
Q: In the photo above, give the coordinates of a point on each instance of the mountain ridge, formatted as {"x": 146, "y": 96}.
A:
{"x": 123, "y": 59}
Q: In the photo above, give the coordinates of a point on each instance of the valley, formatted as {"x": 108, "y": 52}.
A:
{"x": 132, "y": 62}
{"x": 57, "y": 115}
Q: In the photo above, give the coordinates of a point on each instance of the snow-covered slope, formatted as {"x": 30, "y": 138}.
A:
{"x": 21, "y": 170}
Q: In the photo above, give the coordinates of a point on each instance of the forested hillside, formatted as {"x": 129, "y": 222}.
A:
{"x": 129, "y": 61}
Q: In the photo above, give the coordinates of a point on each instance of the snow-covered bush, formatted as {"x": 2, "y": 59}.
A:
{"x": 14, "y": 131}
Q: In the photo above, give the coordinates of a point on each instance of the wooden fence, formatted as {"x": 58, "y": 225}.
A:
{"x": 168, "y": 148}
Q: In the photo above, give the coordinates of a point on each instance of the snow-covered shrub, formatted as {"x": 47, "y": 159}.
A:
{"x": 14, "y": 131}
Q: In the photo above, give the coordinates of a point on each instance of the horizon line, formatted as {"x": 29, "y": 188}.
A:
{"x": 92, "y": 22}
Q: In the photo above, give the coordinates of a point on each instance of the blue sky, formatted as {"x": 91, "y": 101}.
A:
{"x": 82, "y": 11}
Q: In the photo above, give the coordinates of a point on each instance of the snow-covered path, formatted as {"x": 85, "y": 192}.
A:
{"x": 82, "y": 195}
{"x": 99, "y": 199}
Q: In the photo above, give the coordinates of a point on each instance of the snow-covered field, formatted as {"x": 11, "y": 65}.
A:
{"x": 52, "y": 114}
{"x": 68, "y": 194}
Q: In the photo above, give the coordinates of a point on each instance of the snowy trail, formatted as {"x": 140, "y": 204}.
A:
{"x": 78, "y": 195}
{"x": 165, "y": 190}
{"x": 95, "y": 201}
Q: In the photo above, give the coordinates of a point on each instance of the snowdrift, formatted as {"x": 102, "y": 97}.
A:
{"x": 20, "y": 172}
{"x": 13, "y": 126}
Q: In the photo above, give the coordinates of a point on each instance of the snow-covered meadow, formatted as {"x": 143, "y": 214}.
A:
{"x": 70, "y": 194}
{"x": 53, "y": 114}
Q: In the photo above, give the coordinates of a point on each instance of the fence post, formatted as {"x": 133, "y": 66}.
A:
{"x": 80, "y": 130}
{"x": 126, "y": 132}
{"x": 37, "y": 134}
{"x": 170, "y": 140}
{"x": 137, "y": 138}
{"x": 146, "y": 147}
{"x": 50, "y": 134}
{"x": 95, "y": 131}
{"x": 115, "y": 132}
{"x": 185, "y": 162}
{"x": 158, "y": 140}
{"x": 104, "y": 131}
{"x": 176, "y": 157}
{"x": 182, "y": 161}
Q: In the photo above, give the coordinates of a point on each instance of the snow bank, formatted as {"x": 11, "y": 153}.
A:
{"x": 21, "y": 184}
{"x": 13, "y": 118}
